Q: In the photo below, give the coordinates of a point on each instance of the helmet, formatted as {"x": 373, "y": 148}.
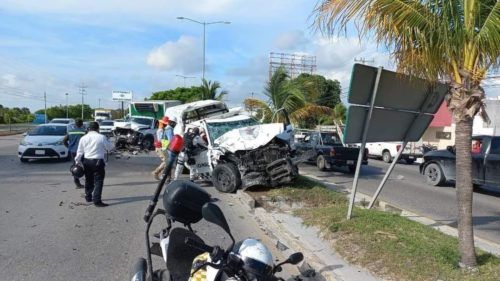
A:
{"x": 76, "y": 170}
{"x": 256, "y": 257}
{"x": 173, "y": 119}
{"x": 164, "y": 120}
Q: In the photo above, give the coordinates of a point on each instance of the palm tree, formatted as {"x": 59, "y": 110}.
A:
{"x": 454, "y": 40}
{"x": 284, "y": 96}
{"x": 209, "y": 90}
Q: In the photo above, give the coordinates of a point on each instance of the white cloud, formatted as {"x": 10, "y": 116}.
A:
{"x": 291, "y": 40}
{"x": 9, "y": 80}
{"x": 182, "y": 55}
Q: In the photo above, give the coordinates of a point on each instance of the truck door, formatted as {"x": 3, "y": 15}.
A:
{"x": 492, "y": 174}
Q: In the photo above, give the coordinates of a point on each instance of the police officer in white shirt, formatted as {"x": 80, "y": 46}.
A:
{"x": 92, "y": 148}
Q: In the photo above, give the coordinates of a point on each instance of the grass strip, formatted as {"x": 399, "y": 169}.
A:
{"x": 387, "y": 244}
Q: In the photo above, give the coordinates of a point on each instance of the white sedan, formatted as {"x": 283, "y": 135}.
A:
{"x": 44, "y": 142}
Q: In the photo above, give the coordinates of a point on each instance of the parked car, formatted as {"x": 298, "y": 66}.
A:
{"x": 44, "y": 141}
{"x": 67, "y": 121}
{"x": 328, "y": 150}
{"x": 439, "y": 165}
{"x": 106, "y": 127}
{"x": 388, "y": 150}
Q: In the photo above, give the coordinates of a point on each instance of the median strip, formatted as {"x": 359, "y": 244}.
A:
{"x": 388, "y": 244}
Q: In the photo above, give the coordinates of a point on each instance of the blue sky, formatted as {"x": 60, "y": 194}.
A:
{"x": 140, "y": 46}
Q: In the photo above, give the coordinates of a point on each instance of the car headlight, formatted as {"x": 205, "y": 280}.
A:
{"x": 23, "y": 142}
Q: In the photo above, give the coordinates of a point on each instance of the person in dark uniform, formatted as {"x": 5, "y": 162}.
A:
{"x": 71, "y": 141}
{"x": 94, "y": 146}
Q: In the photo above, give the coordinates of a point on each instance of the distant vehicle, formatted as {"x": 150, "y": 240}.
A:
{"x": 139, "y": 127}
{"x": 102, "y": 114}
{"x": 67, "y": 121}
{"x": 44, "y": 141}
{"x": 388, "y": 150}
{"x": 439, "y": 165}
{"x": 106, "y": 127}
{"x": 326, "y": 150}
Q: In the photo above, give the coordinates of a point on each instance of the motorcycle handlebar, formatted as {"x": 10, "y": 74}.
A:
{"x": 198, "y": 245}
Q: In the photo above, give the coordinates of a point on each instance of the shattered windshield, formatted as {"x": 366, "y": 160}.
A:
{"x": 215, "y": 130}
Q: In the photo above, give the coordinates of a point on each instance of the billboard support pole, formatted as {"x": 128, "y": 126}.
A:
{"x": 387, "y": 174}
{"x": 363, "y": 144}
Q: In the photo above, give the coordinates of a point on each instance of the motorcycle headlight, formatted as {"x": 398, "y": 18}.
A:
{"x": 23, "y": 142}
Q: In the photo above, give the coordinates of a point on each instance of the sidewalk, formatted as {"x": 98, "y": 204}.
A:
{"x": 290, "y": 235}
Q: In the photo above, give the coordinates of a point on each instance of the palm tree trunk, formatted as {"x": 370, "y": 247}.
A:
{"x": 463, "y": 140}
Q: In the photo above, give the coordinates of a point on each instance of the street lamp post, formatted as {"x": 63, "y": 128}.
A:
{"x": 204, "y": 23}
{"x": 67, "y": 105}
{"x": 185, "y": 77}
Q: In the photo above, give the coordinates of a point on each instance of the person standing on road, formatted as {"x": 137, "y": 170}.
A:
{"x": 186, "y": 153}
{"x": 71, "y": 141}
{"x": 94, "y": 146}
{"x": 159, "y": 147}
{"x": 169, "y": 136}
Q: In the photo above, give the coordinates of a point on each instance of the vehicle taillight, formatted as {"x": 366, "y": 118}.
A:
{"x": 333, "y": 152}
{"x": 398, "y": 147}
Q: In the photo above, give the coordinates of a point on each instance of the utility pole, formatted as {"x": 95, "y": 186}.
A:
{"x": 45, "y": 102}
{"x": 363, "y": 60}
{"x": 99, "y": 103}
{"x": 82, "y": 88}
{"x": 67, "y": 105}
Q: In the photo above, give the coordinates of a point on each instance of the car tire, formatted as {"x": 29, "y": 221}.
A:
{"x": 148, "y": 143}
{"x": 226, "y": 178}
{"x": 321, "y": 163}
{"x": 386, "y": 156}
{"x": 23, "y": 160}
{"x": 434, "y": 174}
{"x": 410, "y": 161}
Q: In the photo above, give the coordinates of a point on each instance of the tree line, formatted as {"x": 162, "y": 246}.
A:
{"x": 309, "y": 100}
{"x": 15, "y": 115}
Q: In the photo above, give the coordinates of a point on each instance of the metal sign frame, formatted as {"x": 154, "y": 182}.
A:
{"x": 366, "y": 91}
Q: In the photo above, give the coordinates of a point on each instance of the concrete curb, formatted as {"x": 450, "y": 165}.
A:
{"x": 290, "y": 235}
{"x": 363, "y": 199}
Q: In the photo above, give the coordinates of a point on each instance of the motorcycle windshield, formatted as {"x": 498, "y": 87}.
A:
{"x": 179, "y": 255}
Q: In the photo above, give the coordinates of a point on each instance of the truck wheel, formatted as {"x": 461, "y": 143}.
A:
{"x": 434, "y": 175}
{"x": 321, "y": 162}
{"x": 226, "y": 178}
{"x": 386, "y": 156}
{"x": 352, "y": 169}
{"x": 148, "y": 143}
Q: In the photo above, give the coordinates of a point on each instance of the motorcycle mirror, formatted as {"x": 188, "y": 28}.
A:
{"x": 213, "y": 214}
{"x": 295, "y": 258}
{"x": 292, "y": 259}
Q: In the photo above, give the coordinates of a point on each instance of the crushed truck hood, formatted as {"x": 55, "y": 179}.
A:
{"x": 248, "y": 138}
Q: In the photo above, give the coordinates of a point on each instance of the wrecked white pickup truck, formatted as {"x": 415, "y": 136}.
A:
{"x": 240, "y": 151}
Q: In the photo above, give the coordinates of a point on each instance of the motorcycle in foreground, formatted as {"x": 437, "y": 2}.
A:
{"x": 186, "y": 255}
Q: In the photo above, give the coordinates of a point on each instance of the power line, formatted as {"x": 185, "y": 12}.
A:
{"x": 81, "y": 89}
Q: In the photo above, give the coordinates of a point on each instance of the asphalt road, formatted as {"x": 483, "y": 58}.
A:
{"x": 407, "y": 189}
{"x": 49, "y": 233}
